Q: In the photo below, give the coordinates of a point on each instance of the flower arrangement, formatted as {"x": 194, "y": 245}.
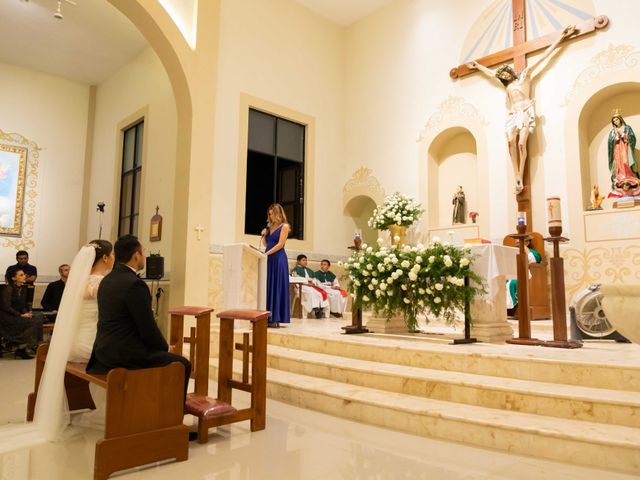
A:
{"x": 473, "y": 216}
{"x": 397, "y": 209}
{"x": 412, "y": 281}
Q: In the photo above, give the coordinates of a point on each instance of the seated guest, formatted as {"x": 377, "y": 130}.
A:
{"x": 30, "y": 271}
{"x": 53, "y": 294}
{"x": 512, "y": 285}
{"x": 329, "y": 283}
{"x": 127, "y": 335}
{"x": 314, "y": 298}
{"x": 17, "y": 323}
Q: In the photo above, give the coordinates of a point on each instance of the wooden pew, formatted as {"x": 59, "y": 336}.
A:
{"x": 144, "y": 412}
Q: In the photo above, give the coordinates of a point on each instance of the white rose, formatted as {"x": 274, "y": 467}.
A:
{"x": 406, "y": 300}
{"x": 369, "y": 249}
{"x": 380, "y": 267}
{"x": 340, "y": 263}
{"x": 418, "y": 259}
{"x": 386, "y": 260}
{"x": 432, "y": 259}
{"x": 394, "y": 260}
{"x": 383, "y": 286}
{"x": 464, "y": 262}
{"x": 403, "y": 287}
{"x": 429, "y": 291}
{"x": 390, "y": 280}
{"x": 357, "y": 282}
{"x": 421, "y": 291}
{"x": 356, "y": 265}
{"x": 369, "y": 266}
{"x": 379, "y": 241}
{"x": 415, "y": 268}
{"x": 439, "y": 286}
{"x": 437, "y": 300}
{"x": 378, "y": 293}
{"x": 447, "y": 260}
{"x": 365, "y": 273}
{"x": 374, "y": 281}
{"x": 399, "y": 272}
{"x": 365, "y": 298}
{"x": 370, "y": 287}
{"x": 406, "y": 249}
{"x": 413, "y": 276}
{"x": 405, "y": 264}
{"x": 389, "y": 293}
{"x": 374, "y": 274}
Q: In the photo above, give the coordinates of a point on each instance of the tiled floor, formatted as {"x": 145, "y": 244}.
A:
{"x": 297, "y": 444}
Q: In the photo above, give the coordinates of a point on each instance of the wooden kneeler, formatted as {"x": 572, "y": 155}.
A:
{"x": 214, "y": 412}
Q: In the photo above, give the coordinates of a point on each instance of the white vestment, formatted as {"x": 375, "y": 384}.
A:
{"x": 337, "y": 303}
{"x": 311, "y": 298}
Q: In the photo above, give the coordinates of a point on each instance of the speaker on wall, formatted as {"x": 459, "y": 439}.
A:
{"x": 155, "y": 266}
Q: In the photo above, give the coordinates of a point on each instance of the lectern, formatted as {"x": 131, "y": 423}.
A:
{"x": 244, "y": 277}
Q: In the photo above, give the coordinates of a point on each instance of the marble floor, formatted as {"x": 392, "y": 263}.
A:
{"x": 297, "y": 444}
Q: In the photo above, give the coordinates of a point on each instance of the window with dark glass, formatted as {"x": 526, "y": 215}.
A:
{"x": 275, "y": 171}
{"x": 130, "y": 179}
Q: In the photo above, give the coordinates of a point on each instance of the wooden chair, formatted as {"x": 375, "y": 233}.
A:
{"x": 295, "y": 299}
{"x": 214, "y": 412}
{"x": 538, "y": 283}
{"x": 144, "y": 412}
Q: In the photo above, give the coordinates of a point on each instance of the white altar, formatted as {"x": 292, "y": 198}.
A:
{"x": 244, "y": 277}
{"x": 496, "y": 264}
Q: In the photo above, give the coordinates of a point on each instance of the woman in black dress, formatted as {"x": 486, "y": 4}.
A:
{"x": 17, "y": 323}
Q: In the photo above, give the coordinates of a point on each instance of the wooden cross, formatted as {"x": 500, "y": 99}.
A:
{"x": 518, "y": 54}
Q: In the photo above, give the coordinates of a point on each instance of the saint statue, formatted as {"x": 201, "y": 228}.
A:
{"x": 625, "y": 181}
{"x": 521, "y": 115}
{"x": 458, "y": 206}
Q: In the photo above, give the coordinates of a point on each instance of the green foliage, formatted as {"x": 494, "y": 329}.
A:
{"x": 412, "y": 281}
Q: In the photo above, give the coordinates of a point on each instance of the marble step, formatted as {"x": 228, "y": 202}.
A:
{"x": 610, "y": 447}
{"x": 555, "y": 400}
{"x": 591, "y": 366}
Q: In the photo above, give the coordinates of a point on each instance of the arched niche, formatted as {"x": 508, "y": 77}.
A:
{"x": 359, "y": 210}
{"x": 593, "y": 129}
{"x": 452, "y": 161}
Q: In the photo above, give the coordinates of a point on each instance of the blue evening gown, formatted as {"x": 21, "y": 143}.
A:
{"x": 277, "y": 280}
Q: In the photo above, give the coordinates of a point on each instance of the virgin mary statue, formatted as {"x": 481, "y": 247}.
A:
{"x": 625, "y": 181}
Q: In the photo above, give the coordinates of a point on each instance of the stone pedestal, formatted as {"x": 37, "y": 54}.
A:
{"x": 377, "y": 324}
{"x": 490, "y": 316}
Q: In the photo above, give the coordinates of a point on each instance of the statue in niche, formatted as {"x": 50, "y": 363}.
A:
{"x": 458, "y": 206}
{"x": 596, "y": 199}
{"x": 625, "y": 181}
{"x": 521, "y": 115}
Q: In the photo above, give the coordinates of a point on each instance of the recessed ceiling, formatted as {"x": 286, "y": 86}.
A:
{"x": 89, "y": 44}
{"x": 344, "y": 12}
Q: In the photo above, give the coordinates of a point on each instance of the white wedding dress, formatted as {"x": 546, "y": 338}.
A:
{"x": 73, "y": 335}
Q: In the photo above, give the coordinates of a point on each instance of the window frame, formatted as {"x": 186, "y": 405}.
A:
{"x": 247, "y": 102}
{"x": 136, "y": 173}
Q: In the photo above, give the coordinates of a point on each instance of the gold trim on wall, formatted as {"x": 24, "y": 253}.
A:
{"x": 28, "y": 182}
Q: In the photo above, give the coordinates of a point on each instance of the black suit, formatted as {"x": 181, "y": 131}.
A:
{"x": 127, "y": 334}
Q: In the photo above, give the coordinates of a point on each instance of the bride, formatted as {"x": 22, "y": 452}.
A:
{"x": 72, "y": 339}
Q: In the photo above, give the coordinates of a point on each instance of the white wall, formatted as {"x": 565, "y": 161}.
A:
{"x": 52, "y": 112}
{"x": 141, "y": 85}
{"x": 282, "y": 53}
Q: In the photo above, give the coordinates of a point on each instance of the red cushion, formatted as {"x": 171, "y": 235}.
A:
{"x": 202, "y": 406}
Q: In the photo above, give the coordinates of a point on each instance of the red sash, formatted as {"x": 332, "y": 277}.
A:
{"x": 324, "y": 294}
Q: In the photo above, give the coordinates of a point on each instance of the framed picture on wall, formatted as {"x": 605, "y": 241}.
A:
{"x": 13, "y": 165}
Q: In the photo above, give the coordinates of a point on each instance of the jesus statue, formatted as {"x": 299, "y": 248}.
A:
{"x": 521, "y": 115}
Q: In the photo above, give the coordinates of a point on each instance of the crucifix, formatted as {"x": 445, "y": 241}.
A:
{"x": 199, "y": 229}
{"x": 521, "y": 114}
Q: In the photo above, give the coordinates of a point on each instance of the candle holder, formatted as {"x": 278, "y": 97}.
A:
{"x": 558, "y": 301}
{"x": 356, "y": 313}
{"x": 524, "y": 311}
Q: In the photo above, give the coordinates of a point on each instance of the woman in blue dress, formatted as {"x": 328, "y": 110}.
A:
{"x": 274, "y": 237}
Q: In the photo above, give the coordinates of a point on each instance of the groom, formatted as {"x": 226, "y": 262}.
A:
{"x": 127, "y": 334}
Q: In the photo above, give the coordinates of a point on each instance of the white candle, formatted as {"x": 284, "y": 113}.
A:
{"x": 554, "y": 216}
